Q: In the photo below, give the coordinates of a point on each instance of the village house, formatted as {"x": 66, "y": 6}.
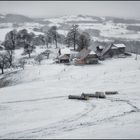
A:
{"x": 112, "y": 50}
{"x": 86, "y": 56}
{"x": 64, "y": 55}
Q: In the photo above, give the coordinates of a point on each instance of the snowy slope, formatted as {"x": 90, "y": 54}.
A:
{"x": 28, "y": 26}
{"x": 37, "y": 107}
{"x": 107, "y": 28}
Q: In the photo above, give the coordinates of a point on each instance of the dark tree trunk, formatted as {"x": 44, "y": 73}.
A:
{"x": 47, "y": 44}
{"x": 2, "y": 71}
{"x": 56, "y": 43}
{"x": 74, "y": 42}
{"x": 29, "y": 55}
{"x": 10, "y": 62}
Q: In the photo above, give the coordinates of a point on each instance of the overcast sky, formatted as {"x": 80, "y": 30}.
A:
{"x": 128, "y": 9}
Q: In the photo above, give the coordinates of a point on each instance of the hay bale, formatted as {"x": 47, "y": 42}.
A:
{"x": 100, "y": 94}
{"x": 94, "y": 95}
{"x": 111, "y": 92}
{"x": 89, "y": 94}
{"x": 77, "y": 97}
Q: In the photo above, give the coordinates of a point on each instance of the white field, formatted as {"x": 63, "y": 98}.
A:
{"x": 108, "y": 29}
{"x": 28, "y": 26}
{"x": 38, "y": 106}
{"x": 112, "y": 30}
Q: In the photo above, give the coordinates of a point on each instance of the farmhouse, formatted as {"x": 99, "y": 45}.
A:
{"x": 113, "y": 50}
{"x": 86, "y": 56}
{"x": 64, "y": 55}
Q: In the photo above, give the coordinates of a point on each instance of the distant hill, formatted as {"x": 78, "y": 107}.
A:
{"x": 14, "y": 18}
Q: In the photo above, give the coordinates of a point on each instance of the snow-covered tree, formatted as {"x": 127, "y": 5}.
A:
{"x": 47, "y": 38}
{"x": 39, "y": 58}
{"x": 28, "y": 49}
{"x": 10, "y": 40}
{"x": 22, "y": 63}
{"x": 3, "y": 61}
{"x": 83, "y": 41}
{"x": 52, "y": 32}
{"x": 10, "y": 45}
{"x": 72, "y": 36}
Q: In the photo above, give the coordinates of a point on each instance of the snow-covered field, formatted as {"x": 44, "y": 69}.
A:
{"x": 38, "y": 105}
{"x": 29, "y": 27}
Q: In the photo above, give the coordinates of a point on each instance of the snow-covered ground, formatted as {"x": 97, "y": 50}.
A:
{"x": 112, "y": 30}
{"x": 28, "y": 26}
{"x": 38, "y": 105}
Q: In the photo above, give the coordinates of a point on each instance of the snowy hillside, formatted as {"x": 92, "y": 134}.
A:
{"x": 34, "y": 101}
{"x": 38, "y": 105}
{"x": 107, "y": 28}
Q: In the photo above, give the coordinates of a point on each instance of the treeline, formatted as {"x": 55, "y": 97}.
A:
{"x": 22, "y": 38}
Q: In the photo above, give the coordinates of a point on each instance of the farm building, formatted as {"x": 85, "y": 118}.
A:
{"x": 113, "y": 50}
{"x": 86, "y": 56}
{"x": 64, "y": 55}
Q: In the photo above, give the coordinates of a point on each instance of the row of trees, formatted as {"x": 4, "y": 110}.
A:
{"x": 17, "y": 39}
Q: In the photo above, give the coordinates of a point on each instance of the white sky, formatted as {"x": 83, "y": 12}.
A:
{"x": 128, "y": 9}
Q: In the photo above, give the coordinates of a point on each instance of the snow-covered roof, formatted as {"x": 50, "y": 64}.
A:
{"x": 65, "y": 51}
{"x": 119, "y": 45}
{"x": 92, "y": 52}
{"x": 100, "y": 47}
{"x": 64, "y": 57}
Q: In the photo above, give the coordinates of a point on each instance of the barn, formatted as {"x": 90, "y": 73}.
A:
{"x": 113, "y": 50}
{"x": 86, "y": 56}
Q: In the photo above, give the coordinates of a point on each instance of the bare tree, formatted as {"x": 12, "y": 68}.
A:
{"x": 10, "y": 57}
{"x": 39, "y": 58}
{"x": 47, "y": 39}
{"x": 3, "y": 61}
{"x": 10, "y": 45}
{"x": 22, "y": 63}
{"x": 28, "y": 49}
{"x": 52, "y": 32}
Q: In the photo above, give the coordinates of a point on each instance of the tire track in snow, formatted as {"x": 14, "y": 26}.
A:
{"x": 70, "y": 124}
{"x": 33, "y": 100}
{"x": 54, "y": 126}
{"x": 125, "y": 101}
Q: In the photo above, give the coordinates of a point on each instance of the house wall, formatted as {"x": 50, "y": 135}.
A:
{"x": 91, "y": 60}
{"x": 79, "y": 62}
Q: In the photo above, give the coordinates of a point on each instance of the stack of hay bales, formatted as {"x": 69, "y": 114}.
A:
{"x": 97, "y": 94}
{"x": 78, "y": 97}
